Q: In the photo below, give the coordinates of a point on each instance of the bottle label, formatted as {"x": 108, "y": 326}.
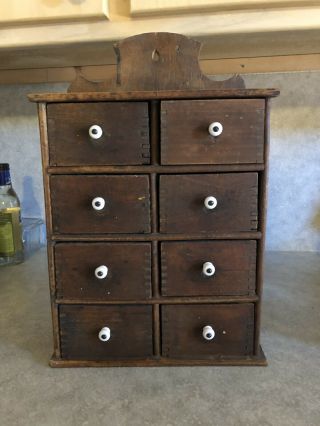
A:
{"x": 6, "y": 234}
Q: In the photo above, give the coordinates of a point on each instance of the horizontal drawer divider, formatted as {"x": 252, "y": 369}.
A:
{"x": 205, "y": 168}
{"x": 156, "y": 237}
{"x": 163, "y": 300}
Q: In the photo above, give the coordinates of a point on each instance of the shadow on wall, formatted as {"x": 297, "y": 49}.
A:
{"x": 29, "y": 202}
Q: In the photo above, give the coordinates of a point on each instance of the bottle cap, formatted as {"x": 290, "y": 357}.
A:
{"x": 5, "y": 174}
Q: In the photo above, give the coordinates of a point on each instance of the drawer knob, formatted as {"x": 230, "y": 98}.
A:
{"x": 210, "y": 203}
{"x": 104, "y": 334}
{"x": 215, "y": 128}
{"x": 208, "y": 332}
{"x": 101, "y": 272}
{"x": 208, "y": 269}
{"x": 95, "y": 132}
{"x": 98, "y": 203}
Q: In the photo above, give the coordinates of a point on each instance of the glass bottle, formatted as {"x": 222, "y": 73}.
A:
{"x": 11, "y": 246}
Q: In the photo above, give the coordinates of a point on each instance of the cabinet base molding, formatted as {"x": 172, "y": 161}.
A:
{"x": 253, "y": 361}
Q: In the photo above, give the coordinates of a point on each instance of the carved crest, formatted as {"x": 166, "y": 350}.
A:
{"x": 155, "y": 61}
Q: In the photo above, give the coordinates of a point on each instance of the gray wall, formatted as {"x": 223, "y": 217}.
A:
{"x": 294, "y": 184}
{"x": 19, "y": 144}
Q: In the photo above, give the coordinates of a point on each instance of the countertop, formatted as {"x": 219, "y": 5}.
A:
{"x": 284, "y": 393}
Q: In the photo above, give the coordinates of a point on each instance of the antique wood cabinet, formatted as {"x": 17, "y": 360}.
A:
{"x": 155, "y": 190}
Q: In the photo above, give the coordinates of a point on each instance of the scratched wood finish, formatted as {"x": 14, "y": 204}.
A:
{"x": 182, "y": 202}
{"x": 130, "y": 329}
{"x": 159, "y": 236}
{"x": 164, "y": 300}
{"x": 258, "y": 360}
{"x": 155, "y": 61}
{"x": 182, "y": 328}
{"x": 143, "y": 95}
{"x": 129, "y": 271}
{"x": 126, "y": 204}
{"x": 263, "y": 189}
{"x": 182, "y": 262}
{"x": 216, "y": 168}
{"x": 42, "y": 114}
{"x": 125, "y": 137}
{"x": 154, "y": 191}
{"x": 185, "y": 138}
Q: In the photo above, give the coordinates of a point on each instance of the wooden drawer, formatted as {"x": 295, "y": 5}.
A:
{"x": 126, "y": 201}
{"x": 130, "y": 330}
{"x": 124, "y": 139}
{"x": 186, "y": 206}
{"x": 103, "y": 271}
{"x": 208, "y": 268}
{"x": 185, "y": 137}
{"x": 183, "y": 330}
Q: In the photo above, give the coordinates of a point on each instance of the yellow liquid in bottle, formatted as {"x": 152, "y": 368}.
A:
{"x": 11, "y": 247}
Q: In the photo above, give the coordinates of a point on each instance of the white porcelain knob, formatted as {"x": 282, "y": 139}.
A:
{"x": 215, "y": 128}
{"x": 208, "y": 269}
{"x": 101, "y": 272}
{"x": 104, "y": 334}
{"x": 95, "y": 132}
{"x": 98, "y": 203}
{"x": 210, "y": 203}
{"x": 208, "y": 332}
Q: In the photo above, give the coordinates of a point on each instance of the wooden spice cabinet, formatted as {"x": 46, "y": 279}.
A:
{"x": 155, "y": 216}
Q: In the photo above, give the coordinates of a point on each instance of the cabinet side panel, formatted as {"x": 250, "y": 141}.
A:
{"x": 42, "y": 112}
{"x": 263, "y": 190}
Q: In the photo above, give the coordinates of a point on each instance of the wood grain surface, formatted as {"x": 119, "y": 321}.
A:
{"x": 182, "y": 202}
{"x": 182, "y": 262}
{"x": 126, "y": 210}
{"x": 185, "y": 138}
{"x": 125, "y": 137}
{"x": 153, "y": 94}
{"x": 154, "y": 166}
{"x": 130, "y": 327}
{"x": 182, "y": 327}
{"x": 155, "y": 61}
{"x": 129, "y": 271}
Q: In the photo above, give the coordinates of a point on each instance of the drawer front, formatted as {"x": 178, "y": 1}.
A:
{"x": 207, "y": 331}
{"x": 208, "y": 268}
{"x": 105, "y": 332}
{"x": 100, "y": 204}
{"x": 237, "y": 127}
{"x": 103, "y": 271}
{"x": 208, "y": 203}
{"x": 121, "y": 138}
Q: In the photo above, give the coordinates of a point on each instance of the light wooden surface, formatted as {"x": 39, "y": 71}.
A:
{"x": 271, "y": 36}
{"x": 226, "y": 34}
{"x": 204, "y": 25}
{"x": 20, "y": 12}
{"x": 148, "y": 7}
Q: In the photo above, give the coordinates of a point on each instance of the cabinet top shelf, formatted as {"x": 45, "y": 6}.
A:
{"x": 149, "y": 95}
